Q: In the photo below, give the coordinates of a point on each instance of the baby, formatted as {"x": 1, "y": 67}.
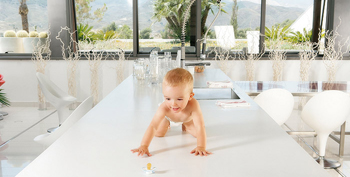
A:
{"x": 179, "y": 106}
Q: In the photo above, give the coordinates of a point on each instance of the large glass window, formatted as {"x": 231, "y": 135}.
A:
{"x": 288, "y": 23}
{"x": 30, "y": 16}
{"x": 104, "y": 24}
{"x": 238, "y": 22}
{"x": 160, "y": 24}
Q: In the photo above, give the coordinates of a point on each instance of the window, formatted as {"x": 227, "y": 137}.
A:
{"x": 33, "y": 18}
{"x": 237, "y": 22}
{"x": 104, "y": 24}
{"x": 288, "y": 23}
{"x": 160, "y": 23}
{"x": 112, "y": 25}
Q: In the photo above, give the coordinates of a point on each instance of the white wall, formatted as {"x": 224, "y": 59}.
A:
{"x": 21, "y": 83}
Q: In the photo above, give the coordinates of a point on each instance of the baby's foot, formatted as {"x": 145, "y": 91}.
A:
{"x": 183, "y": 128}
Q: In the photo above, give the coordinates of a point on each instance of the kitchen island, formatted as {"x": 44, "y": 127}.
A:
{"x": 245, "y": 141}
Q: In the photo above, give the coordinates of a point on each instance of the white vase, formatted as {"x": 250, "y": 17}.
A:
{"x": 11, "y": 45}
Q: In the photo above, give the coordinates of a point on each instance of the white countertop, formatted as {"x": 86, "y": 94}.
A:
{"x": 245, "y": 141}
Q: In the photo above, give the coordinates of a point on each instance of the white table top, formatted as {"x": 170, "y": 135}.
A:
{"x": 297, "y": 88}
{"x": 245, "y": 141}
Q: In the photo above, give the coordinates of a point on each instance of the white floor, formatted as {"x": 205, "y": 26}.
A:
{"x": 19, "y": 152}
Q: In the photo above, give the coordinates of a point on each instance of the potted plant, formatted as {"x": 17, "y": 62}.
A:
{"x": 30, "y": 42}
{"x": 3, "y": 98}
{"x": 10, "y": 43}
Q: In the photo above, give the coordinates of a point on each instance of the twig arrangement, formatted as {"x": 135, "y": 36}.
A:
{"x": 72, "y": 57}
{"x": 250, "y": 58}
{"x": 120, "y": 66}
{"x": 333, "y": 53}
{"x": 95, "y": 57}
{"x": 41, "y": 54}
{"x": 278, "y": 58}
{"x": 222, "y": 56}
{"x": 307, "y": 56}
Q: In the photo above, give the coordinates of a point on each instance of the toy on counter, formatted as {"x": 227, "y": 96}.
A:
{"x": 149, "y": 169}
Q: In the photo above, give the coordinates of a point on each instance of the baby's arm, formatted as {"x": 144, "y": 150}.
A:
{"x": 150, "y": 132}
{"x": 200, "y": 130}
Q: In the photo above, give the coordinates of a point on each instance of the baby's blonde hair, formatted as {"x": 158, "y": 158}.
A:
{"x": 178, "y": 76}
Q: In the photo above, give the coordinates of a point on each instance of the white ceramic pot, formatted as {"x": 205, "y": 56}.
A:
{"x": 11, "y": 45}
{"x": 29, "y": 43}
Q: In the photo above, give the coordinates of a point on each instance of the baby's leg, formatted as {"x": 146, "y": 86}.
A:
{"x": 190, "y": 128}
{"x": 162, "y": 128}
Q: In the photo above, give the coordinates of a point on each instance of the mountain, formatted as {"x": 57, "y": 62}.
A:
{"x": 120, "y": 12}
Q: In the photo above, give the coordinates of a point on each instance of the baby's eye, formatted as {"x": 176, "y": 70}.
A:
{"x": 167, "y": 99}
{"x": 180, "y": 99}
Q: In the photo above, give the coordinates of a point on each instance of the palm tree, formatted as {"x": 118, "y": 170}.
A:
{"x": 23, "y": 11}
{"x": 173, "y": 12}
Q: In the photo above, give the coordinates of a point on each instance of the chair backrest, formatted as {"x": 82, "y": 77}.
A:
{"x": 225, "y": 36}
{"x": 51, "y": 91}
{"x": 78, "y": 113}
{"x": 277, "y": 103}
{"x": 326, "y": 111}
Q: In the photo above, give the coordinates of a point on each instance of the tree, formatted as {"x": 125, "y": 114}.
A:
{"x": 234, "y": 22}
{"x": 83, "y": 8}
{"x": 110, "y": 27}
{"x": 23, "y": 11}
{"x": 124, "y": 32}
{"x": 145, "y": 33}
{"x": 173, "y": 12}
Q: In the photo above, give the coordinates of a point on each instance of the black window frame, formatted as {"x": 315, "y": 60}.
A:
{"x": 70, "y": 21}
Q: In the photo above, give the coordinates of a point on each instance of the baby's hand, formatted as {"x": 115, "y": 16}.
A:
{"x": 200, "y": 151}
{"x": 141, "y": 151}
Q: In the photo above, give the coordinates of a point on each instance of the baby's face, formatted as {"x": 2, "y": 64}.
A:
{"x": 176, "y": 98}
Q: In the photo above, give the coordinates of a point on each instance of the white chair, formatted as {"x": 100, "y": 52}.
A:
{"x": 53, "y": 94}
{"x": 277, "y": 103}
{"x": 324, "y": 113}
{"x": 79, "y": 112}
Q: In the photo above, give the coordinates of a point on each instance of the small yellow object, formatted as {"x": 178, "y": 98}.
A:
{"x": 149, "y": 165}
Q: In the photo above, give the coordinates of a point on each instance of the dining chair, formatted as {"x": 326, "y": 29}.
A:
{"x": 277, "y": 103}
{"x": 48, "y": 138}
{"x": 53, "y": 94}
{"x": 325, "y": 112}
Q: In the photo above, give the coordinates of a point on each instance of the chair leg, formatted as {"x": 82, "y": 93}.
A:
{"x": 61, "y": 118}
{"x": 322, "y": 142}
{"x": 328, "y": 164}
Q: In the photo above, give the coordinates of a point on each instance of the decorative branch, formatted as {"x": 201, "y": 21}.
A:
{"x": 72, "y": 57}
{"x": 278, "y": 58}
{"x": 95, "y": 57}
{"x": 39, "y": 58}
{"x": 332, "y": 54}
{"x": 250, "y": 58}
{"x": 222, "y": 56}
{"x": 307, "y": 56}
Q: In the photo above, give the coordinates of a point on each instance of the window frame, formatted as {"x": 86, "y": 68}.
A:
{"x": 70, "y": 20}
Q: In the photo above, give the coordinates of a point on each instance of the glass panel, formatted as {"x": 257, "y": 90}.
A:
{"x": 160, "y": 26}
{"x": 238, "y": 22}
{"x": 105, "y": 24}
{"x": 288, "y": 24}
{"x": 33, "y": 20}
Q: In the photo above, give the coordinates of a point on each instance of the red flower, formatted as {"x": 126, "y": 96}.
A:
{"x": 1, "y": 81}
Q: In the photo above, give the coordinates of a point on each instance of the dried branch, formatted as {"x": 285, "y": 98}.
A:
{"x": 41, "y": 54}
{"x": 95, "y": 57}
{"x": 332, "y": 53}
{"x": 72, "y": 57}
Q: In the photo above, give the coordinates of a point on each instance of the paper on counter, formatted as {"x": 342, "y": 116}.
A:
{"x": 219, "y": 84}
{"x": 239, "y": 103}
